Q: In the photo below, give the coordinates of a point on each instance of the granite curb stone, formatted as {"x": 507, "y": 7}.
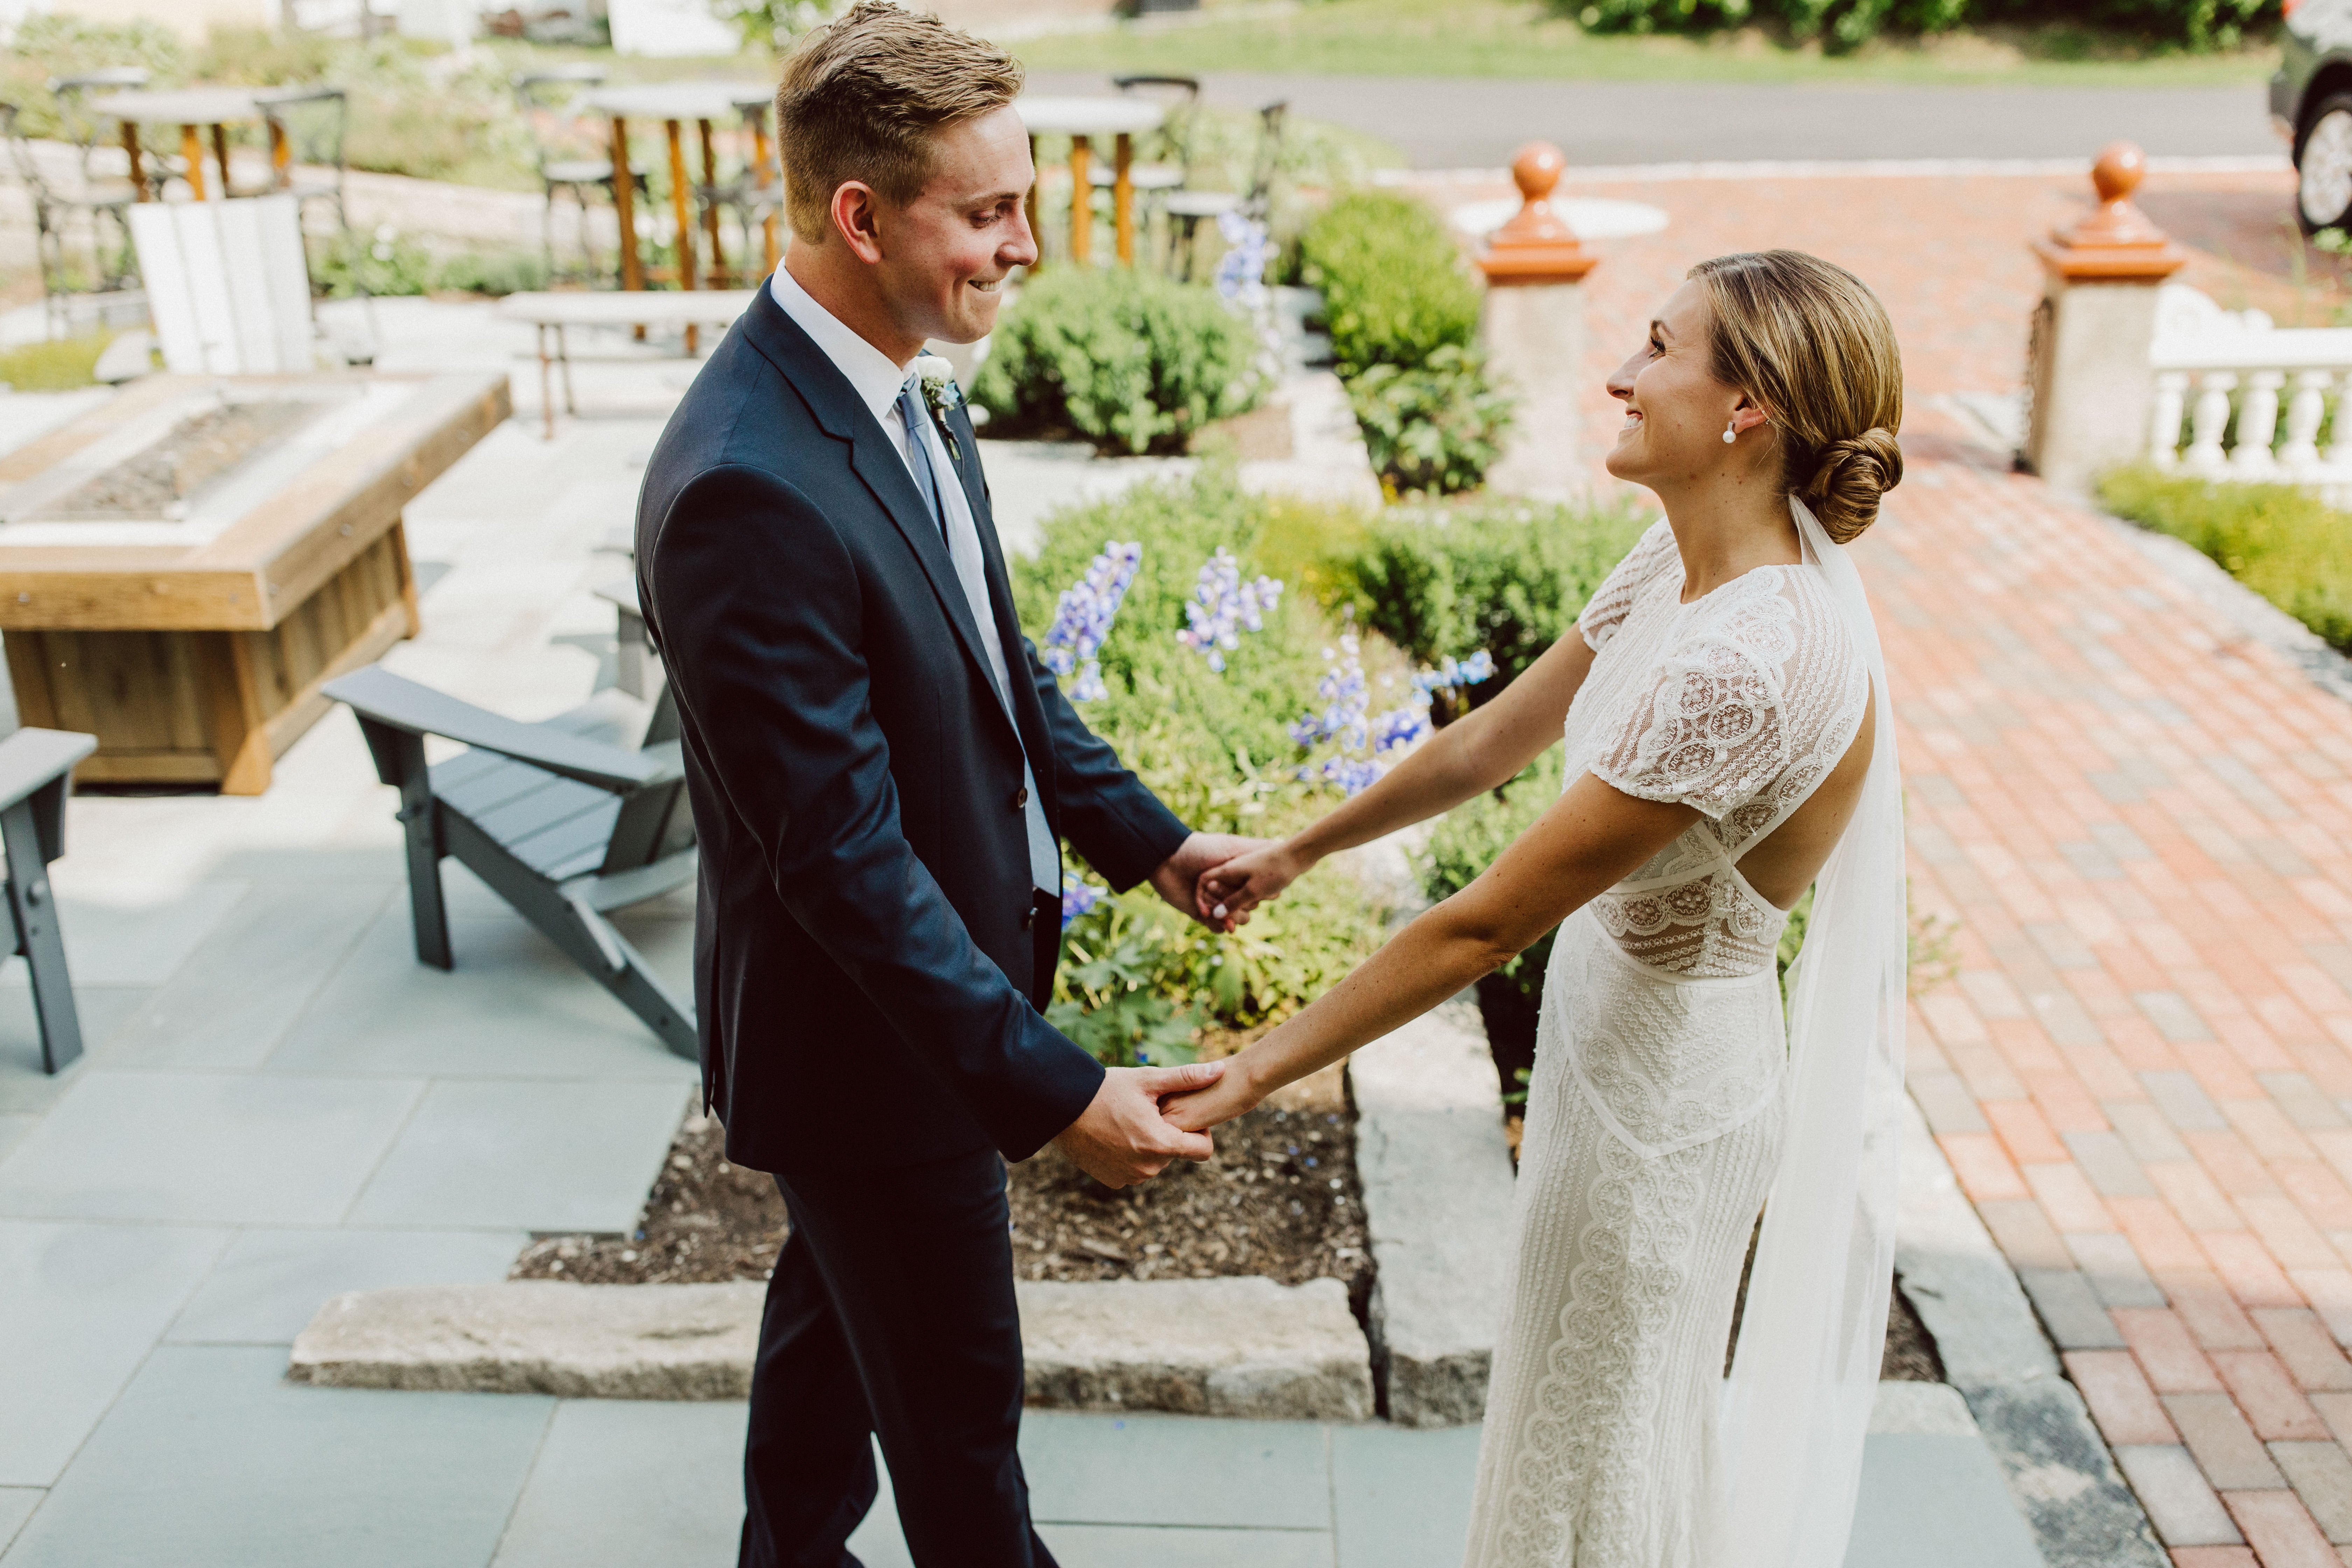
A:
{"x": 1236, "y": 1347}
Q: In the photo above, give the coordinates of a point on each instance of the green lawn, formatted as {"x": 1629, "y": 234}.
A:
{"x": 1516, "y": 38}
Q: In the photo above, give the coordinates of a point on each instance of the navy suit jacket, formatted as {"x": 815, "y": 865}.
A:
{"x": 864, "y": 953}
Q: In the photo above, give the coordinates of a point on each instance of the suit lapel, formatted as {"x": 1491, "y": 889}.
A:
{"x": 1029, "y": 717}
{"x": 883, "y": 472}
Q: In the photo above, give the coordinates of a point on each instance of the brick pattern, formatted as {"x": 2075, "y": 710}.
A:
{"x": 2141, "y": 1072}
{"x": 2141, "y": 822}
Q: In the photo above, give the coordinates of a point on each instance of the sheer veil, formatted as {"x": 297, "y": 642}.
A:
{"x": 1797, "y": 1405}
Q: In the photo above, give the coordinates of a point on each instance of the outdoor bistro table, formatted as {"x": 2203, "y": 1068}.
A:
{"x": 1082, "y": 119}
{"x": 183, "y": 566}
{"x": 191, "y": 109}
{"x": 674, "y": 103}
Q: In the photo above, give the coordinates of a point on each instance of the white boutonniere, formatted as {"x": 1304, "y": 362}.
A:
{"x": 940, "y": 393}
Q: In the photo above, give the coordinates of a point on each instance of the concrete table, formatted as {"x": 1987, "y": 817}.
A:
{"x": 182, "y": 567}
{"x": 1082, "y": 120}
{"x": 674, "y": 103}
{"x": 191, "y": 109}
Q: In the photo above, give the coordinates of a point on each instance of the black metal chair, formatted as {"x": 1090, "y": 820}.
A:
{"x": 1170, "y": 168}
{"x": 564, "y": 825}
{"x": 63, "y": 201}
{"x": 1187, "y": 210}
{"x": 309, "y": 123}
{"x": 36, "y": 771}
{"x": 549, "y": 100}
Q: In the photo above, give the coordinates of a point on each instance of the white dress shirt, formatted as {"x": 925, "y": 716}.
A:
{"x": 877, "y": 383}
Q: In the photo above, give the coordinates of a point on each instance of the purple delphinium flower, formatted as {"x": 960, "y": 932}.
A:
{"x": 1082, "y": 619}
{"x": 1079, "y": 898}
{"x": 1365, "y": 745}
{"x": 1452, "y": 674}
{"x": 1222, "y": 606}
{"x": 1241, "y": 271}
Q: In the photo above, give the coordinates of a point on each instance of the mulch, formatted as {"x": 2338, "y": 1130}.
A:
{"x": 1280, "y": 1198}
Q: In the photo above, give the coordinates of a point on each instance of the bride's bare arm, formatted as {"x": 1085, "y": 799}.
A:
{"x": 1485, "y": 748}
{"x": 1593, "y": 838}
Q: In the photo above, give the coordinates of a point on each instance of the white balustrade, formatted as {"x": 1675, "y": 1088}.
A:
{"x": 2224, "y": 374}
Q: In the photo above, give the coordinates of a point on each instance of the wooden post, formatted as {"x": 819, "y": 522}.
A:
{"x": 1532, "y": 326}
{"x": 2088, "y": 378}
{"x": 130, "y": 150}
{"x": 625, "y": 212}
{"x": 281, "y": 157}
{"x": 1030, "y": 203}
{"x": 1082, "y": 201}
{"x": 192, "y": 154}
{"x": 682, "y": 210}
{"x": 718, "y": 276}
{"x": 220, "y": 156}
{"x": 763, "y": 150}
{"x": 1122, "y": 198}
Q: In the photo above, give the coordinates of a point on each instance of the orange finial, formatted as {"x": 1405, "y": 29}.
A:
{"x": 2117, "y": 241}
{"x": 1535, "y": 246}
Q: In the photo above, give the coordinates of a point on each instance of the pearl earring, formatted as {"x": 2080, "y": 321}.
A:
{"x": 1731, "y": 432}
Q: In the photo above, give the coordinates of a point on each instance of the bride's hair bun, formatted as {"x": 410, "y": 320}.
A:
{"x": 1808, "y": 342}
{"x": 1848, "y": 478}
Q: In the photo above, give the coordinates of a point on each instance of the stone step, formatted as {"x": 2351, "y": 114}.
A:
{"x": 1238, "y": 1347}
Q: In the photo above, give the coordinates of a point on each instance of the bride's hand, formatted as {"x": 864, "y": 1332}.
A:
{"x": 1202, "y": 1108}
{"x": 1230, "y": 890}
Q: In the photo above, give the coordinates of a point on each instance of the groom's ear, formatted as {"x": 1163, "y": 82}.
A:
{"x": 857, "y": 218}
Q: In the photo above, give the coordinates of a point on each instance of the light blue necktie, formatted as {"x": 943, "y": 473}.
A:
{"x": 918, "y": 451}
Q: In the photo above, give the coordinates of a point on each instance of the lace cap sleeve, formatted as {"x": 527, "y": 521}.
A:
{"x": 1615, "y": 596}
{"x": 1709, "y": 729}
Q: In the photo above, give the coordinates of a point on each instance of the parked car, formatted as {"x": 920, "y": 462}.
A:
{"x": 2311, "y": 100}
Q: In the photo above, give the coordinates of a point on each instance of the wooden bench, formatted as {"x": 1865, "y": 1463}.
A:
{"x": 552, "y": 312}
{"x": 563, "y": 823}
{"x": 36, "y": 768}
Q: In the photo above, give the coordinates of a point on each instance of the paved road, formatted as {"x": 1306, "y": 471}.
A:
{"x": 1450, "y": 123}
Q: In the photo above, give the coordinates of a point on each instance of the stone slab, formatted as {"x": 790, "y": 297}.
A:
{"x": 1437, "y": 1184}
{"x": 1241, "y": 1347}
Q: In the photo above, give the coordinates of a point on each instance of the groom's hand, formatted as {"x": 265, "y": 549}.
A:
{"x": 1178, "y": 879}
{"x": 1121, "y": 1138}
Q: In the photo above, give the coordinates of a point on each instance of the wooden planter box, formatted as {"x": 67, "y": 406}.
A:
{"x": 193, "y": 646}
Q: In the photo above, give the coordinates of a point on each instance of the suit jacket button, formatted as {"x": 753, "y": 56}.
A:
{"x": 1029, "y": 918}
{"x": 1021, "y": 797}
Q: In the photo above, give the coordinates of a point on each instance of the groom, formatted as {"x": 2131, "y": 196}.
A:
{"x": 879, "y": 769}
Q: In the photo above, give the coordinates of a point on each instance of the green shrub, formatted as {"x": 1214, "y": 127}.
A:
{"x": 494, "y": 272}
{"x": 2282, "y": 542}
{"x": 1437, "y": 428}
{"x": 45, "y": 48}
{"x": 1842, "y": 24}
{"x": 1460, "y": 848}
{"x": 1395, "y": 289}
{"x": 1123, "y": 356}
{"x": 382, "y": 264}
{"x": 56, "y": 365}
{"x": 1446, "y": 582}
{"x": 1138, "y": 977}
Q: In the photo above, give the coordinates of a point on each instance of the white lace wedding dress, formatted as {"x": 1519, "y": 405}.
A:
{"x": 1656, "y": 1111}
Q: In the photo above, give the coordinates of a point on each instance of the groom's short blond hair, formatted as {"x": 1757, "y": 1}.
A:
{"x": 863, "y": 97}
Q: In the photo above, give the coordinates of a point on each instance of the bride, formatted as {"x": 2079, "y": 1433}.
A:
{"x": 1730, "y": 744}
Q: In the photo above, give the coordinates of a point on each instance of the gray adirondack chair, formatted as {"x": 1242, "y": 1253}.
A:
{"x": 36, "y": 767}
{"x": 563, "y": 825}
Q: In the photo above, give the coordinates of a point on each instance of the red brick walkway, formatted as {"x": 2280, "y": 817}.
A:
{"x": 2142, "y": 825}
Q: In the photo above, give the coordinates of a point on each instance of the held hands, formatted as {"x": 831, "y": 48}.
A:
{"x": 1178, "y": 879}
{"x": 1229, "y": 891}
{"x": 1121, "y": 1138}
{"x": 1196, "y": 1111}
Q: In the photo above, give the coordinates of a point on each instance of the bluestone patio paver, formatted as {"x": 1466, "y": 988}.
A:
{"x": 13, "y": 1129}
{"x": 622, "y": 1484}
{"x": 25, "y": 1088}
{"x": 1127, "y": 1469}
{"x": 270, "y": 1284}
{"x": 1400, "y": 1498}
{"x": 1930, "y": 1500}
{"x": 133, "y": 931}
{"x": 253, "y": 974}
{"x": 224, "y": 1148}
{"x": 210, "y": 1459}
{"x": 512, "y": 1008}
{"x": 525, "y": 1154}
{"x": 16, "y": 1506}
{"x": 80, "y": 1306}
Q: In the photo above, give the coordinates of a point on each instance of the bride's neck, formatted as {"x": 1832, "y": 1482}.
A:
{"x": 1727, "y": 529}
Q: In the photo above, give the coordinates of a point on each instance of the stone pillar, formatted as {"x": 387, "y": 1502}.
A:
{"x": 1532, "y": 328}
{"x": 2089, "y": 384}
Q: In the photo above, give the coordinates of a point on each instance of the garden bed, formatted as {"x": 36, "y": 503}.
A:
{"x": 1280, "y": 1199}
